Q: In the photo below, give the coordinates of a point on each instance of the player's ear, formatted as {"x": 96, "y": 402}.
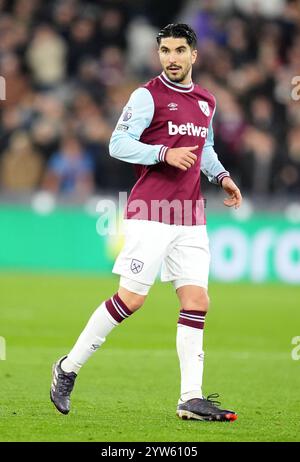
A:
{"x": 194, "y": 55}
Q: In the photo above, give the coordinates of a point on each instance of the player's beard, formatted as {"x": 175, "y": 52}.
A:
{"x": 181, "y": 76}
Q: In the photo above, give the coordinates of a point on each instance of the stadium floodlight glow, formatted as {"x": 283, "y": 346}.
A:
{"x": 292, "y": 212}
{"x": 43, "y": 202}
{"x": 244, "y": 212}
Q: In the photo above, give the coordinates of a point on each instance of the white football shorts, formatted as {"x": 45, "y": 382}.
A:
{"x": 180, "y": 253}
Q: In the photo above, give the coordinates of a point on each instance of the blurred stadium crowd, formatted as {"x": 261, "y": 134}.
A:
{"x": 70, "y": 65}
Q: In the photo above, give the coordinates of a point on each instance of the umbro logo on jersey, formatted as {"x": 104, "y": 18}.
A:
{"x": 187, "y": 129}
{"x": 173, "y": 106}
{"x": 204, "y": 107}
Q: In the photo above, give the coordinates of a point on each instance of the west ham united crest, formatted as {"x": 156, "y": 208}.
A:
{"x": 136, "y": 266}
{"x": 204, "y": 107}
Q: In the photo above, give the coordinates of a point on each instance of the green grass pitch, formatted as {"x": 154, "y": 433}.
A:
{"x": 129, "y": 389}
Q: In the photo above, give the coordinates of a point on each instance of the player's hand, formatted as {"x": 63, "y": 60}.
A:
{"x": 182, "y": 158}
{"x": 235, "y": 197}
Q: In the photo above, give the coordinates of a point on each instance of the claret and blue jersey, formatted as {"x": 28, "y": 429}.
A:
{"x": 162, "y": 115}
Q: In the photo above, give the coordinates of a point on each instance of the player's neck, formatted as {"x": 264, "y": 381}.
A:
{"x": 187, "y": 82}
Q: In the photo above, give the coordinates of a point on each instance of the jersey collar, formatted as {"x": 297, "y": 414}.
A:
{"x": 176, "y": 86}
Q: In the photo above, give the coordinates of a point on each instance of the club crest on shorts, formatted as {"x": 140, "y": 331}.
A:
{"x": 204, "y": 107}
{"x": 136, "y": 266}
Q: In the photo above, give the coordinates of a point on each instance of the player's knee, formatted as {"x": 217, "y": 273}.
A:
{"x": 199, "y": 303}
{"x": 197, "y": 300}
{"x": 205, "y": 302}
{"x": 132, "y": 301}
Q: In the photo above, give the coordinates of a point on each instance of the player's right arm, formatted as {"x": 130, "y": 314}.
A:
{"x": 137, "y": 115}
{"x": 125, "y": 141}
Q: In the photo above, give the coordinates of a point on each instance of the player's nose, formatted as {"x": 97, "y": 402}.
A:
{"x": 172, "y": 58}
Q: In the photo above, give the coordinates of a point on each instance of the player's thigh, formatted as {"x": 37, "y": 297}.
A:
{"x": 142, "y": 254}
{"x": 187, "y": 264}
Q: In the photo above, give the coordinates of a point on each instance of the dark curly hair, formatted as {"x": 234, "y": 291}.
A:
{"x": 178, "y": 31}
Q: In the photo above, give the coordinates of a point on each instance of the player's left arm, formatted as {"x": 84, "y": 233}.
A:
{"x": 210, "y": 164}
{"x": 235, "y": 196}
{"x": 217, "y": 174}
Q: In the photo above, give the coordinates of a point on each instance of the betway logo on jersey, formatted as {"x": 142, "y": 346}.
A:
{"x": 187, "y": 129}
